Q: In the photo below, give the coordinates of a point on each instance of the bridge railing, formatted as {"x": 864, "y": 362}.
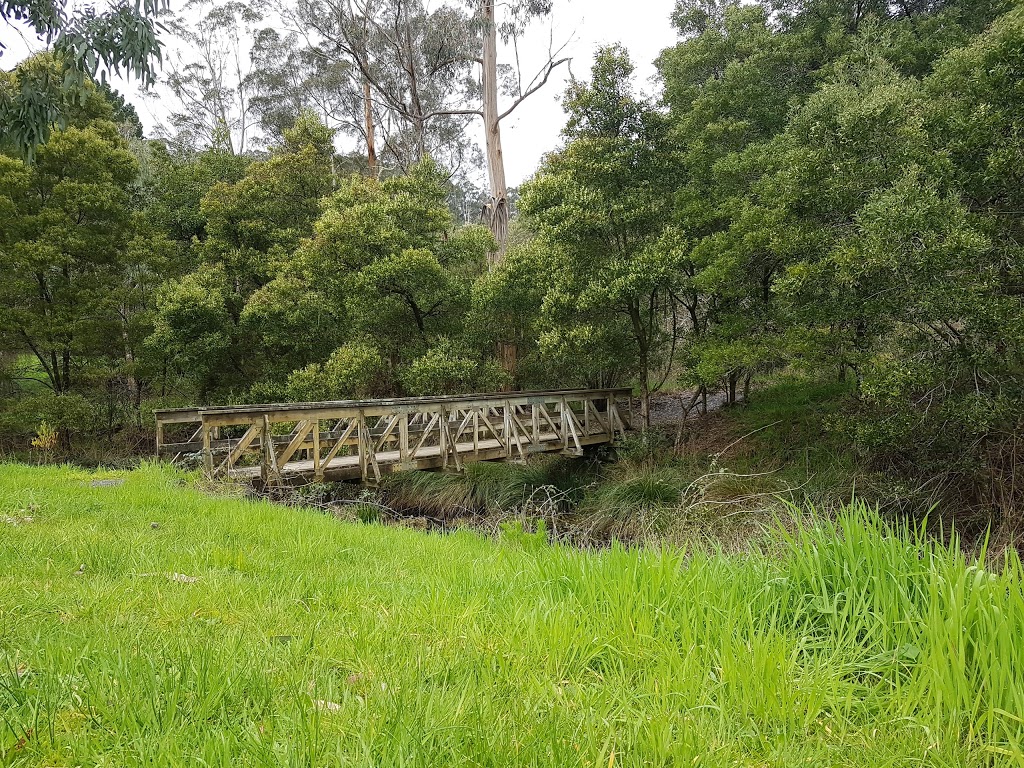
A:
{"x": 365, "y": 439}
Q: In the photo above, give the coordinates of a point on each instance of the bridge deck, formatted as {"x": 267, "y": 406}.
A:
{"x": 343, "y": 440}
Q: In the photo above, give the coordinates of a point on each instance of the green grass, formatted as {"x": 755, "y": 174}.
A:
{"x": 790, "y": 429}
{"x": 245, "y": 634}
{"x": 640, "y": 505}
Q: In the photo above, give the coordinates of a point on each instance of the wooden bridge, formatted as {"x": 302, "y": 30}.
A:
{"x": 365, "y": 439}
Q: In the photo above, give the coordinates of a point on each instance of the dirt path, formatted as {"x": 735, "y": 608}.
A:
{"x": 668, "y": 409}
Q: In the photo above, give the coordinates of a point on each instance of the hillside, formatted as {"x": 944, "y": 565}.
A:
{"x": 146, "y": 623}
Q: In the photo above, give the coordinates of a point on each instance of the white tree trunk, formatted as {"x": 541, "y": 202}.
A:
{"x": 497, "y": 210}
{"x": 371, "y": 144}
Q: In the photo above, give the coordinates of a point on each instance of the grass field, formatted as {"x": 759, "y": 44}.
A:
{"x": 147, "y": 624}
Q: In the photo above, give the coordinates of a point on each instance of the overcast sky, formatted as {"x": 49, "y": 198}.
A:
{"x": 640, "y": 25}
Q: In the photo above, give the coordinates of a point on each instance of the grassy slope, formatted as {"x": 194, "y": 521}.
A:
{"x": 306, "y": 641}
{"x": 732, "y": 475}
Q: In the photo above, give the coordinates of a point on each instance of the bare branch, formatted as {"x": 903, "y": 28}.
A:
{"x": 536, "y": 86}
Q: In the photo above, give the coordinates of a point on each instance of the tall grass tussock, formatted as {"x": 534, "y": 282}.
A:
{"x": 147, "y": 624}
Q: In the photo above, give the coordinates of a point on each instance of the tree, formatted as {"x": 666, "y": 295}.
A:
{"x": 246, "y": 316}
{"x": 389, "y": 251}
{"x": 180, "y": 184}
{"x": 413, "y": 68}
{"x": 254, "y": 225}
{"x": 366, "y": 220}
{"x": 355, "y": 370}
{"x": 505, "y": 315}
{"x": 289, "y": 79}
{"x": 848, "y": 201}
{"x": 210, "y": 77}
{"x": 856, "y": 138}
{"x": 418, "y": 68}
{"x": 125, "y": 117}
{"x": 195, "y": 329}
{"x": 898, "y": 280}
{"x": 447, "y": 369}
{"x": 64, "y": 250}
{"x": 732, "y": 86}
{"x": 517, "y": 16}
{"x": 600, "y": 205}
{"x": 405, "y": 300}
{"x": 914, "y": 33}
{"x": 87, "y": 43}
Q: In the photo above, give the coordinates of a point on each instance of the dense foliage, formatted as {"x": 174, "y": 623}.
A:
{"x": 849, "y": 205}
{"x": 826, "y": 186}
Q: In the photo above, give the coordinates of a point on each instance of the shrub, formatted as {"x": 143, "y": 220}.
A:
{"x": 46, "y": 438}
{"x": 70, "y": 414}
{"x": 445, "y": 370}
{"x": 354, "y": 370}
{"x": 641, "y": 503}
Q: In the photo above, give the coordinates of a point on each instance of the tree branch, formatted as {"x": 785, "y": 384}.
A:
{"x": 536, "y": 86}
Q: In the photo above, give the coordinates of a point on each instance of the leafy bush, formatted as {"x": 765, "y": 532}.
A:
{"x": 293, "y": 322}
{"x": 46, "y": 438}
{"x": 514, "y": 532}
{"x": 446, "y": 370}
{"x": 194, "y": 320}
{"x": 355, "y": 370}
{"x": 69, "y": 414}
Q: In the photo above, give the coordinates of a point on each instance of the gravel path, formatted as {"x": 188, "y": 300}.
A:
{"x": 668, "y": 409}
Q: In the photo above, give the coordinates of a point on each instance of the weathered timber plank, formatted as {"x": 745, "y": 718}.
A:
{"x": 234, "y": 454}
{"x": 302, "y": 429}
{"x": 374, "y": 408}
{"x": 347, "y": 468}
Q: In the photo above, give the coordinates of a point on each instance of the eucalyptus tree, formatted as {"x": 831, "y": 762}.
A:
{"x": 428, "y": 72}
{"x": 414, "y": 73}
{"x": 122, "y": 38}
{"x": 210, "y": 77}
{"x": 288, "y": 79}
{"x": 508, "y": 25}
